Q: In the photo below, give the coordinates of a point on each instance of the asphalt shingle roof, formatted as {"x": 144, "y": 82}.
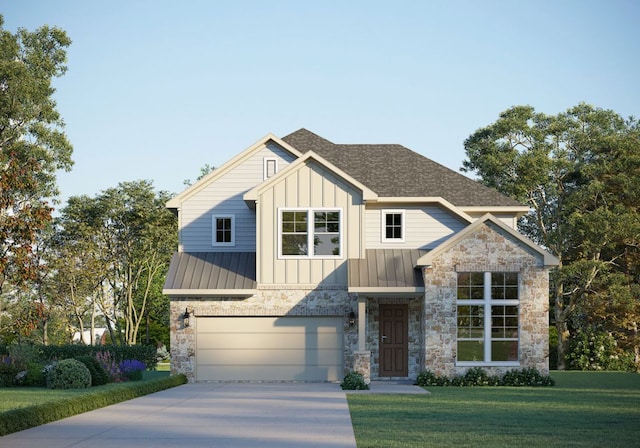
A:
{"x": 395, "y": 171}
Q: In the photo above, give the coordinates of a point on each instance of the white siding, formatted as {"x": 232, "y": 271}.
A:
{"x": 425, "y": 227}
{"x": 224, "y": 196}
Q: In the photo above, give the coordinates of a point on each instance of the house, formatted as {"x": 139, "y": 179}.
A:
{"x": 302, "y": 260}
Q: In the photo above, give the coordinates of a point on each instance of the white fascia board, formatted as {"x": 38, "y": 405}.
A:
{"x": 176, "y": 201}
{"x": 518, "y": 210}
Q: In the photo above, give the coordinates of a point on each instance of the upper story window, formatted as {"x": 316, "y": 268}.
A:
{"x": 306, "y": 232}
{"x": 224, "y": 230}
{"x": 392, "y": 225}
{"x": 487, "y": 306}
{"x": 270, "y": 167}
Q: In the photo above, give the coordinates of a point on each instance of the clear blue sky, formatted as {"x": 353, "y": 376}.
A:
{"x": 157, "y": 89}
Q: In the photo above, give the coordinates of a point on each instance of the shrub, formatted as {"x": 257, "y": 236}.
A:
{"x": 98, "y": 374}
{"x": 132, "y": 369}
{"x": 69, "y": 374}
{"x": 8, "y": 372}
{"x": 526, "y": 377}
{"x": 32, "y": 377}
{"x": 428, "y": 378}
{"x": 476, "y": 376}
{"x": 354, "y": 381}
{"x": 598, "y": 350}
{"x": 110, "y": 366}
{"x": 22, "y": 355}
{"x": 144, "y": 353}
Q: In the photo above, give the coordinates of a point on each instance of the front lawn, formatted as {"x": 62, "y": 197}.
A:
{"x": 584, "y": 409}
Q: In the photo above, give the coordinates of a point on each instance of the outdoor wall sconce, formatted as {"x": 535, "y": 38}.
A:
{"x": 352, "y": 319}
{"x": 185, "y": 317}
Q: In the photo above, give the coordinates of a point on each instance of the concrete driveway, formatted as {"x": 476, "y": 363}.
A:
{"x": 207, "y": 415}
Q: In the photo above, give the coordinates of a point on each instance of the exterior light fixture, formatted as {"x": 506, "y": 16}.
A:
{"x": 185, "y": 317}
{"x": 352, "y": 319}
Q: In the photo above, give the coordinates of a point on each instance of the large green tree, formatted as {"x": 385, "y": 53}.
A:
{"x": 578, "y": 172}
{"x": 117, "y": 247}
{"x": 32, "y": 144}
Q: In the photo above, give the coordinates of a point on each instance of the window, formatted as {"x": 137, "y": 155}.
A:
{"x": 310, "y": 233}
{"x": 270, "y": 167}
{"x": 487, "y": 305}
{"x": 392, "y": 225}
{"x": 223, "y": 230}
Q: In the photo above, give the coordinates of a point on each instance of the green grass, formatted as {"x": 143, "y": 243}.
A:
{"x": 584, "y": 409}
{"x": 22, "y": 397}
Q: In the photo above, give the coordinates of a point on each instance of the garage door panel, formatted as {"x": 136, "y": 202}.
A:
{"x": 271, "y": 373}
{"x": 269, "y": 356}
{"x": 238, "y": 341}
{"x": 269, "y": 348}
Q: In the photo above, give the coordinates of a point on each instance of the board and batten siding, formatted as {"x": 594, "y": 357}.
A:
{"x": 425, "y": 226}
{"x": 224, "y": 197}
{"x": 314, "y": 187}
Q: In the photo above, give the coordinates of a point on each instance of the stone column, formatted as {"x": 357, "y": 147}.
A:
{"x": 362, "y": 364}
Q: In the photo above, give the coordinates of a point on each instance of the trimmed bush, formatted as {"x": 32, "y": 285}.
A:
{"x": 118, "y": 353}
{"x": 353, "y": 381}
{"x": 98, "y": 374}
{"x": 24, "y": 418}
{"x": 477, "y": 376}
{"x": 69, "y": 374}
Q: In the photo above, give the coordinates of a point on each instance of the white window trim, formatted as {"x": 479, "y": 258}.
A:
{"x": 265, "y": 164}
{"x": 383, "y": 230}
{"x": 233, "y": 230}
{"x": 310, "y": 256}
{"x": 487, "y": 303}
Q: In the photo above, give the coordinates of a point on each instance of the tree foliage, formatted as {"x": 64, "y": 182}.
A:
{"x": 578, "y": 172}
{"x": 32, "y": 144}
{"x": 115, "y": 250}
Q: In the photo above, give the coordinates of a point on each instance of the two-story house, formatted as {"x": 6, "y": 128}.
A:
{"x": 301, "y": 260}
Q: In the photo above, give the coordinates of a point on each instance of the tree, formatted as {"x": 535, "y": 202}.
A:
{"x": 561, "y": 166}
{"x": 204, "y": 170}
{"x": 123, "y": 240}
{"x": 32, "y": 144}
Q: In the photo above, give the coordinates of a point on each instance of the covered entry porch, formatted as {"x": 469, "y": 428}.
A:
{"x": 390, "y": 296}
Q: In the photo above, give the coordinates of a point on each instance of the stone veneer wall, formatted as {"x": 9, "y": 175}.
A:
{"x": 267, "y": 302}
{"x": 487, "y": 250}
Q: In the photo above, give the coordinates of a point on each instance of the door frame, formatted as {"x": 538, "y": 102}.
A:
{"x": 402, "y": 346}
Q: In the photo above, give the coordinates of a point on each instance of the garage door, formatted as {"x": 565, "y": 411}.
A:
{"x": 269, "y": 349}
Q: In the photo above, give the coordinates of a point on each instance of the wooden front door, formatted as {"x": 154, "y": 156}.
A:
{"x": 394, "y": 352}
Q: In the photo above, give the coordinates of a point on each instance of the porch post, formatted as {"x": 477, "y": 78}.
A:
{"x": 362, "y": 323}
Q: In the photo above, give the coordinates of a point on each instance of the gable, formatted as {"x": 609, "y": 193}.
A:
{"x": 496, "y": 227}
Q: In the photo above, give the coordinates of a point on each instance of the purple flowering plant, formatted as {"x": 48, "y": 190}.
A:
{"x": 132, "y": 369}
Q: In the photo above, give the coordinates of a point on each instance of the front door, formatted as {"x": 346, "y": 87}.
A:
{"x": 394, "y": 353}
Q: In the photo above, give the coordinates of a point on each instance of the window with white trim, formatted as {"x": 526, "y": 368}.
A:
{"x": 224, "y": 230}
{"x": 392, "y": 225}
{"x": 270, "y": 167}
{"x": 310, "y": 233}
{"x": 487, "y": 318}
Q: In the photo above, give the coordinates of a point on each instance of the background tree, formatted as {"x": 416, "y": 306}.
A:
{"x": 32, "y": 145}
{"x": 562, "y": 167}
{"x": 126, "y": 237}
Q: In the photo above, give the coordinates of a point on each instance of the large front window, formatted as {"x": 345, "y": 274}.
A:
{"x": 487, "y": 305}
{"x": 310, "y": 233}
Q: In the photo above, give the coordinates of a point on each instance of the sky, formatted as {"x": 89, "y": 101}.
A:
{"x": 156, "y": 90}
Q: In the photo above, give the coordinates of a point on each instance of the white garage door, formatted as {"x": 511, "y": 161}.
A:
{"x": 269, "y": 349}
